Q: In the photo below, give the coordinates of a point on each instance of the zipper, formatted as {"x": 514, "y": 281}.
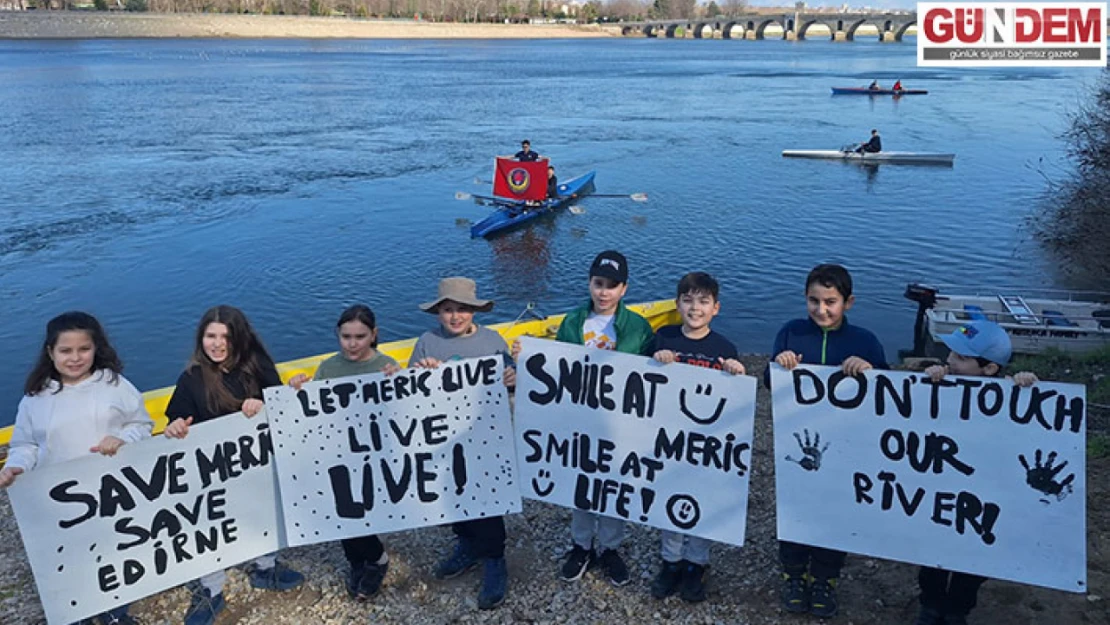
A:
{"x": 824, "y": 343}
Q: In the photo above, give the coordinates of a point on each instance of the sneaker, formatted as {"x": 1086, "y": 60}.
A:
{"x": 929, "y": 616}
{"x": 277, "y": 577}
{"x": 578, "y": 559}
{"x": 795, "y": 593}
{"x": 693, "y": 583}
{"x": 203, "y": 607}
{"x": 668, "y": 579}
{"x": 365, "y": 580}
{"x": 822, "y": 598}
{"x": 454, "y": 565}
{"x": 614, "y": 567}
{"x": 495, "y": 581}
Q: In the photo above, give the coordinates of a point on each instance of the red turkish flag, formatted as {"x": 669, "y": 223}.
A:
{"x": 517, "y": 180}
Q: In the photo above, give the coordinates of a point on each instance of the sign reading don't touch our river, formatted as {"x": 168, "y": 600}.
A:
{"x": 967, "y": 474}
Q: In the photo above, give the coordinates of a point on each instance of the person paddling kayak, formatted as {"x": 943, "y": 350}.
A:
{"x": 874, "y": 86}
{"x": 897, "y": 87}
{"x": 874, "y": 145}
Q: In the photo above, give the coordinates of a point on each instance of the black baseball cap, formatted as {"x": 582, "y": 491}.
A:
{"x": 612, "y": 265}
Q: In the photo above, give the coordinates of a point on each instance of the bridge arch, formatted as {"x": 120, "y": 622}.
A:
{"x": 850, "y": 33}
{"x": 704, "y": 30}
{"x": 733, "y": 30}
{"x": 671, "y": 28}
{"x": 900, "y": 31}
{"x": 801, "y": 34}
{"x": 762, "y": 27}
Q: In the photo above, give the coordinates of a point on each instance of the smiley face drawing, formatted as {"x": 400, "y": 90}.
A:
{"x": 705, "y": 391}
{"x": 542, "y": 483}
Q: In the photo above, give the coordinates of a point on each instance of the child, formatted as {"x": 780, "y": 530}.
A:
{"x": 685, "y": 558}
{"x": 979, "y": 349}
{"x": 358, "y": 338}
{"x": 824, "y": 338}
{"x": 226, "y": 374}
{"x": 75, "y": 402}
{"x": 604, "y": 323}
{"x": 457, "y": 338}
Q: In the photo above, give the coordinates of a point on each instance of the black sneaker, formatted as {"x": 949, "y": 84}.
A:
{"x": 929, "y": 616}
{"x": 795, "y": 593}
{"x": 578, "y": 559}
{"x": 365, "y": 580}
{"x": 613, "y": 567}
{"x": 668, "y": 579}
{"x": 693, "y": 583}
{"x": 822, "y": 598}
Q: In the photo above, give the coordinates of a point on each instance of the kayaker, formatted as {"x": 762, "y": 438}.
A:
{"x": 897, "y": 86}
{"x": 874, "y": 86}
{"x": 481, "y": 541}
{"x": 526, "y": 154}
{"x": 228, "y": 369}
{"x": 75, "y": 403}
{"x": 874, "y": 145}
{"x": 552, "y": 183}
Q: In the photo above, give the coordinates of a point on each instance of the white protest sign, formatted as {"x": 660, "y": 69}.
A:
{"x": 101, "y": 532}
{"x": 627, "y": 437}
{"x": 375, "y": 453}
{"x": 969, "y": 474}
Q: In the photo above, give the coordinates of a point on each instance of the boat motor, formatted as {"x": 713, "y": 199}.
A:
{"x": 926, "y": 298}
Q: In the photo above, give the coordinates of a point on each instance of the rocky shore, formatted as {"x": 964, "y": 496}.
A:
{"x": 113, "y": 25}
{"x": 743, "y": 582}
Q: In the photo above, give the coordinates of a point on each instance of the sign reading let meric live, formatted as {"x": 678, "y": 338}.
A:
{"x": 1011, "y": 34}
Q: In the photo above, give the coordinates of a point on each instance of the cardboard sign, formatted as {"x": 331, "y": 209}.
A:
{"x": 104, "y": 531}
{"x": 376, "y": 453}
{"x": 967, "y": 474}
{"x": 627, "y": 437}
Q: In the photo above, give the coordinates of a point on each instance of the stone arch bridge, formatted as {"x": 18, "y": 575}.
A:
{"x": 794, "y": 26}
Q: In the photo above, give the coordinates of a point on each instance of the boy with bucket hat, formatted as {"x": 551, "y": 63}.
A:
{"x": 978, "y": 349}
{"x": 480, "y": 541}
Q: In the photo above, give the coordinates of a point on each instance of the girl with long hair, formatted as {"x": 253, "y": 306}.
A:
{"x": 76, "y": 402}
{"x": 226, "y": 374}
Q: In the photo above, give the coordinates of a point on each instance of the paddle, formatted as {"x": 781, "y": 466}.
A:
{"x": 635, "y": 197}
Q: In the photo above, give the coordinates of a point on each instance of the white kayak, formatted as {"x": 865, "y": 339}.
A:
{"x": 921, "y": 158}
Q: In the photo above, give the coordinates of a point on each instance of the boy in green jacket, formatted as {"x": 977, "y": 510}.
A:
{"x": 603, "y": 323}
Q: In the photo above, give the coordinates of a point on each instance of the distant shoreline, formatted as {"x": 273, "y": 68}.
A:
{"x": 112, "y": 25}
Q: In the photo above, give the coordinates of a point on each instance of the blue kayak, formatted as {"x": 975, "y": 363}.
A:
{"x": 512, "y": 213}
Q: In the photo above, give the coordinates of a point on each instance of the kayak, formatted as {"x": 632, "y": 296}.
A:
{"x": 866, "y": 91}
{"x": 906, "y": 158}
{"x": 658, "y": 313}
{"x": 511, "y": 213}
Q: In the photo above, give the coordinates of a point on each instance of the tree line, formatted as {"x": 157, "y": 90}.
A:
{"x": 429, "y": 10}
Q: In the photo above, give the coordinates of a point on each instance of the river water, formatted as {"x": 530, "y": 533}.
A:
{"x": 144, "y": 181}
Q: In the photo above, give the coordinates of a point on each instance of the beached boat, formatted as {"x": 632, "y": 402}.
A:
{"x": 511, "y": 213}
{"x": 1064, "y": 320}
{"x": 874, "y": 92}
{"x": 658, "y": 313}
{"x": 899, "y": 158}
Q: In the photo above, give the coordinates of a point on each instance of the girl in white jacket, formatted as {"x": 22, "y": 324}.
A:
{"x": 76, "y": 403}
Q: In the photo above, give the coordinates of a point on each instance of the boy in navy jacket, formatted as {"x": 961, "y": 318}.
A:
{"x": 823, "y": 338}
